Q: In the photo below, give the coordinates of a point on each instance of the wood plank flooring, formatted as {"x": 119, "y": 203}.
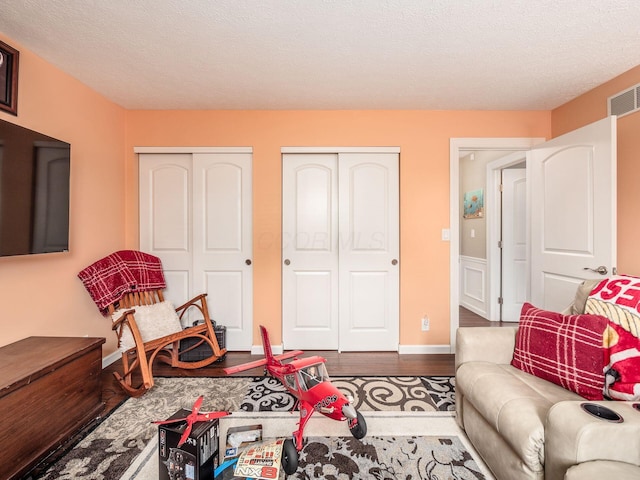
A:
{"x": 338, "y": 364}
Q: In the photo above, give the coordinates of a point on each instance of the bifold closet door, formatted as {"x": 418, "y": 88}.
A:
{"x": 340, "y": 251}
{"x": 195, "y": 214}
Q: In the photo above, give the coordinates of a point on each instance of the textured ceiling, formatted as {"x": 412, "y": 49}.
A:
{"x": 332, "y": 54}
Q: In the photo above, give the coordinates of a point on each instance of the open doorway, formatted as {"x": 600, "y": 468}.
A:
{"x": 482, "y": 228}
{"x": 495, "y": 148}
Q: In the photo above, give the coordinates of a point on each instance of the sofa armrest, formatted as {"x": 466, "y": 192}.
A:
{"x": 573, "y": 436}
{"x": 486, "y": 344}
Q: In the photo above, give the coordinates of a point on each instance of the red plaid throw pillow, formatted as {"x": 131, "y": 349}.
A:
{"x": 563, "y": 349}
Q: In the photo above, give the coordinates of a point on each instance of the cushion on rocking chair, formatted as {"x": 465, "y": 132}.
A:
{"x": 154, "y": 321}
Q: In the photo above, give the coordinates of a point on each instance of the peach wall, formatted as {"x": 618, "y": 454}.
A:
{"x": 588, "y": 108}
{"x": 423, "y": 138}
{"x": 40, "y": 294}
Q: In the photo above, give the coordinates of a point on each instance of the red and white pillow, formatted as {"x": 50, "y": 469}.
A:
{"x": 563, "y": 349}
{"x": 618, "y": 299}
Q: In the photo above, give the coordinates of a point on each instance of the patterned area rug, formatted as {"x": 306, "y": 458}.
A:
{"x": 372, "y": 458}
{"x": 405, "y": 394}
{"x": 107, "y": 452}
{"x": 386, "y": 458}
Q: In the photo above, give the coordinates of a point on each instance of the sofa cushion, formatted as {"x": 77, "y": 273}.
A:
{"x": 599, "y": 469}
{"x": 514, "y": 403}
{"x": 563, "y": 349}
{"x": 618, "y": 299}
{"x": 582, "y": 294}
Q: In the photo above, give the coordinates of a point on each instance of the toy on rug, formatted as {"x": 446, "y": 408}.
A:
{"x": 308, "y": 381}
{"x": 193, "y": 417}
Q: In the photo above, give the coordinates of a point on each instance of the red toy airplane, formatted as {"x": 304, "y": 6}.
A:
{"x": 308, "y": 381}
{"x": 192, "y": 418}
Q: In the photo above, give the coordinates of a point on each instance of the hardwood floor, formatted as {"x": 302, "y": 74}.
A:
{"x": 470, "y": 319}
{"x": 338, "y": 364}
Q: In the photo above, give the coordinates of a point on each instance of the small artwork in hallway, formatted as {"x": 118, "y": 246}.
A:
{"x": 474, "y": 204}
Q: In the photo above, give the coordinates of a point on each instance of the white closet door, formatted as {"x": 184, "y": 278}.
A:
{"x": 222, "y": 241}
{"x": 165, "y": 219}
{"x": 196, "y": 215}
{"x": 369, "y": 251}
{"x": 310, "y": 251}
{"x": 340, "y": 251}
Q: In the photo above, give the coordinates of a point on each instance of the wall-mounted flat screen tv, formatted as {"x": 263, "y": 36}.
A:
{"x": 34, "y": 192}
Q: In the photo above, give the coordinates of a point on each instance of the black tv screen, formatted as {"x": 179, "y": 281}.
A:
{"x": 34, "y": 192}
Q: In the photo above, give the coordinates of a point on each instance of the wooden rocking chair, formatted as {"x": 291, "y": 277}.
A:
{"x": 139, "y": 358}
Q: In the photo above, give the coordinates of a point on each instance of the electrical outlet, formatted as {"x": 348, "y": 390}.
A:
{"x": 425, "y": 323}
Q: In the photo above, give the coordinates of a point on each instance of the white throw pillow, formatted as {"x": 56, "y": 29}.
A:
{"x": 154, "y": 321}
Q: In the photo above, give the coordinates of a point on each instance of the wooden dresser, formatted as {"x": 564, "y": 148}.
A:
{"x": 50, "y": 387}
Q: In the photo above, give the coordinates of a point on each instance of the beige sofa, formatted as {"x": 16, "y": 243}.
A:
{"x": 527, "y": 428}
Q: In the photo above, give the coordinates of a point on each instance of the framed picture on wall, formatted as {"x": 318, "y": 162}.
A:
{"x": 8, "y": 78}
{"x": 474, "y": 204}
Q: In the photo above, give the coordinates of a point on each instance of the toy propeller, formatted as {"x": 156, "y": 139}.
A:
{"x": 192, "y": 418}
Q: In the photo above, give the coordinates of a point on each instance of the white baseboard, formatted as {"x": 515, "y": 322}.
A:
{"x": 423, "y": 349}
{"x": 112, "y": 357}
{"x": 402, "y": 349}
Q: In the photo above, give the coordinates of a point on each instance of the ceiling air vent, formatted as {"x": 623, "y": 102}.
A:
{"x": 625, "y": 102}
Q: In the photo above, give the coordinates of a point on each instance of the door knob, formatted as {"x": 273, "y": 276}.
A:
{"x": 247, "y": 261}
{"x": 287, "y": 261}
{"x": 602, "y": 270}
{"x": 394, "y": 262}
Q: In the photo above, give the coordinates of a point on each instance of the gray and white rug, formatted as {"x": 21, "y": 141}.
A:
{"x": 432, "y": 457}
{"x": 388, "y": 458}
{"x": 405, "y": 394}
{"x": 108, "y": 451}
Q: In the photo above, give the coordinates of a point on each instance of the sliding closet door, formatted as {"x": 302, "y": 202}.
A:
{"x": 310, "y": 251}
{"x": 165, "y": 219}
{"x": 340, "y": 251}
{"x": 222, "y": 240}
{"x": 196, "y": 215}
{"x": 369, "y": 251}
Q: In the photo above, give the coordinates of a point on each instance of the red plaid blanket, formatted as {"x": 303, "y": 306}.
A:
{"x": 108, "y": 279}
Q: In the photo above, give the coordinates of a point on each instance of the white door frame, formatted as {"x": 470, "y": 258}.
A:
{"x": 494, "y": 213}
{"x": 455, "y": 146}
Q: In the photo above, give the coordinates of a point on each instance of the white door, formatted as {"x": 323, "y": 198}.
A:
{"x": 310, "y": 251}
{"x": 195, "y": 215}
{"x": 222, "y": 241}
{"x": 165, "y": 219}
{"x": 369, "y": 248}
{"x": 340, "y": 251}
{"x": 515, "y": 269}
{"x": 573, "y": 212}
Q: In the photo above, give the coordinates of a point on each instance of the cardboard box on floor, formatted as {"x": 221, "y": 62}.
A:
{"x": 197, "y": 458}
